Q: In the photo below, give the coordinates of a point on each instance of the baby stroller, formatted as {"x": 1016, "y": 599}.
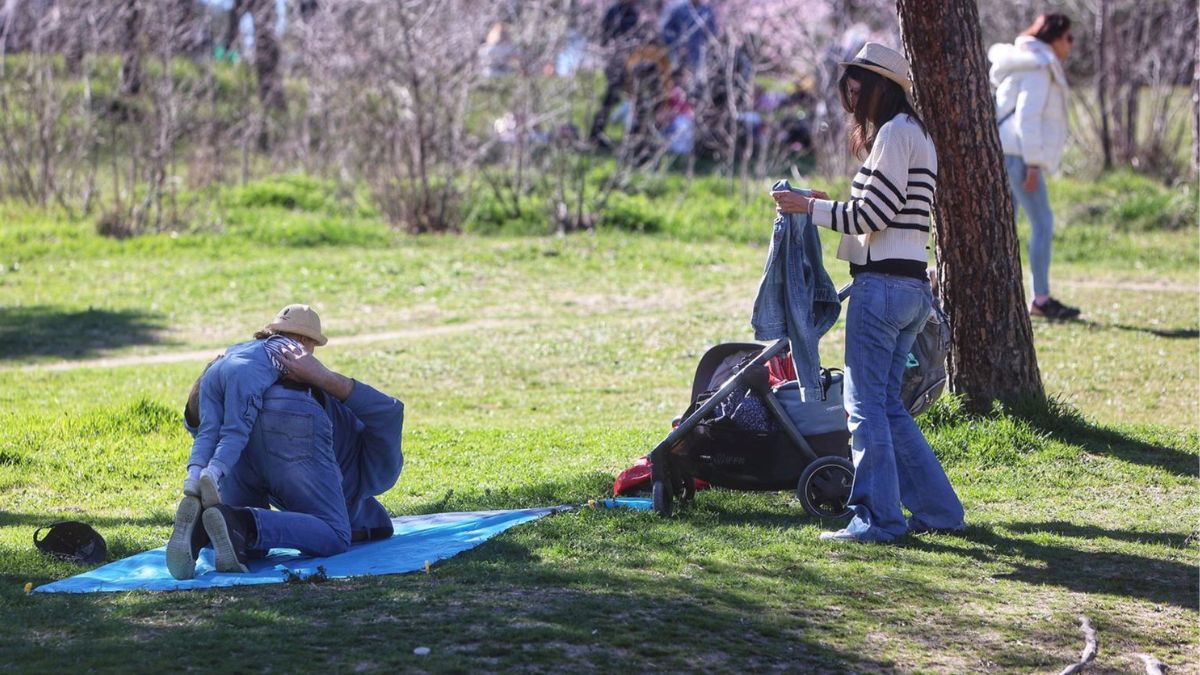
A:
{"x": 801, "y": 446}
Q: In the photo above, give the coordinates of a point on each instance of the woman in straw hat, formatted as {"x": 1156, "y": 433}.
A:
{"x": 885, "y": 231}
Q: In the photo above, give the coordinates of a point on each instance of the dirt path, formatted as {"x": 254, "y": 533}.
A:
{"x": 1147, "y": 286}
{"x": 205, "y": 354}
{"x": 584, "y": 301}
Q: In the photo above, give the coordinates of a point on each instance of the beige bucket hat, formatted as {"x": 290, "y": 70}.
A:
{"x": 301, "y": 320}
{"x": 883, "y": 60}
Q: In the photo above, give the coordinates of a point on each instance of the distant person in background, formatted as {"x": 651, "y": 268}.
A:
{"x": 686, "y": 27}
{"x": 498, "y": 54}
{"x": 616, "y": 36}
{"x": 648, "y": 84}
{"x": 1031, "y": 107}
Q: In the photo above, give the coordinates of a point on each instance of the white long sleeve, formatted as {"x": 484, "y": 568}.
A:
{"x": 891, "y": 198}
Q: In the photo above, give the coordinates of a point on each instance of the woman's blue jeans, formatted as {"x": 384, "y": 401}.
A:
{"x": 893, "y": 463}
{"x": 289, "y": 463}
{"x": 1041, "y": 220}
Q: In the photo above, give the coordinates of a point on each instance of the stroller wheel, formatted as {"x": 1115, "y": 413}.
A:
{"x": 824, "y": 487}
{"x": 661, "y": 498}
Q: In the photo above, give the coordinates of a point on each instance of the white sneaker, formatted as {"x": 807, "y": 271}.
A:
{"x": 840, "y": 535}
{"x": 191, "y": 486}
{"x": 209, "y": 482}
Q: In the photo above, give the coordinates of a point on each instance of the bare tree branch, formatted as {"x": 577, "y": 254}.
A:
{"x": 1089, "y": 648}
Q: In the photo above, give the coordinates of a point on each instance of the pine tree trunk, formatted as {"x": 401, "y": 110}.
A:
{"x": 979, "y": 264}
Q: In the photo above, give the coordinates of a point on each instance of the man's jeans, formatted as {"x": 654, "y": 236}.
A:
{"x": 289, "y": 463}
{"x": 893, "y": 462}
{"x": 1041, "y": 220}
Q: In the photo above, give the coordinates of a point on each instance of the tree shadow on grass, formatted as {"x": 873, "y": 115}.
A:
{"x": 1063, "y": 422}
{"x": 1076, "y": 569}
{"x": 473, "y": 619}
{"x": 43, "y": 330}
{"x": 36, "y": 520}
{"x": 1168, "y": 333}
{"x": 500, "y": 607}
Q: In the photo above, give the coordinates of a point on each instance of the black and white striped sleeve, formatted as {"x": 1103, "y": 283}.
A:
{"x": 277, "y": 345}
{"x": 878, "y": 193}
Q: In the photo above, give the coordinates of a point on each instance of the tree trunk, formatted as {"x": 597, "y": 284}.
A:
{"x": 17, "y": 24}
{"x": 188, "y": 36}
{"x": 266, "y": 55}
{"x": 131, "y": 49}
{"x": 1132, "y": 92}
{"x": 1196, "y": 108}
{"x": 1102, "y": 82}
{"x": 979, "y": 263}
{"x": 231, "y": 30}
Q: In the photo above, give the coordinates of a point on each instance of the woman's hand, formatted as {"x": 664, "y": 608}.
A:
{"x": 787, "y": 201}
{"x": 1031, "y": 178}
{"x": 305, "y": 368}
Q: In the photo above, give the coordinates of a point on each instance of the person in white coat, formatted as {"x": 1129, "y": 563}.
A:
{"x": 1031, "y": 107}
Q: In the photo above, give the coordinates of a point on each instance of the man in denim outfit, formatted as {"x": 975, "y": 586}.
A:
{"x": 321, "y": 450}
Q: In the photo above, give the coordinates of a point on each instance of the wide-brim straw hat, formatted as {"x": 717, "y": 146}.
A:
{"x": 300, "y": 320}
{"x": 883, "y": 60}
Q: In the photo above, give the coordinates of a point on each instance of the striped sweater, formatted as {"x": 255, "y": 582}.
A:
{"x": 887, "y": 216}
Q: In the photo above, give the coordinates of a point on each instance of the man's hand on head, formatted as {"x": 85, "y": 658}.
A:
{"x": 304, "y": 367}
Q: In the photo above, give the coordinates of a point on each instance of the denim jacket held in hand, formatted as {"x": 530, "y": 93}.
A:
{"x": 796, "y": 298}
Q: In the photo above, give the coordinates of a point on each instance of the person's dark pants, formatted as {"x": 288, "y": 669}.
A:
{"x": 289, "y": 463}
{"x": 614, "y": 75}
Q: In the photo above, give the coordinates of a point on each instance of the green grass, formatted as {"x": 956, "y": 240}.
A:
{"x": 535, "y": 368}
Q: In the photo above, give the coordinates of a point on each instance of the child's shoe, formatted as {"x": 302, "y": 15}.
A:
{"x": 210, "y": 480}
{"x": 191, "y": 484}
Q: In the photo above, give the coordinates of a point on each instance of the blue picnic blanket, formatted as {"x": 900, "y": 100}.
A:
{"x": 418, "y": 540}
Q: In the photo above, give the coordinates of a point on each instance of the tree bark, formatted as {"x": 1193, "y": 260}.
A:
{"x": 992, "y": 355}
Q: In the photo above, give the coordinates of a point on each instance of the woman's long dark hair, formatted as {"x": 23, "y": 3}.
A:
{"x": 1048, "y": 27}
{"x": 879, "y": 100}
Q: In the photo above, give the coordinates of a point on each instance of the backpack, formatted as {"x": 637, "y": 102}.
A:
{"x": 925, "y": 374}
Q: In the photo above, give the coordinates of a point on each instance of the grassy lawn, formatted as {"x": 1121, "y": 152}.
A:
{"x": 535, "y": 368}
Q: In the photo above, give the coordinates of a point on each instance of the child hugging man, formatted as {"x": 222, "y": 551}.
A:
{"x": 230, "y": 397}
